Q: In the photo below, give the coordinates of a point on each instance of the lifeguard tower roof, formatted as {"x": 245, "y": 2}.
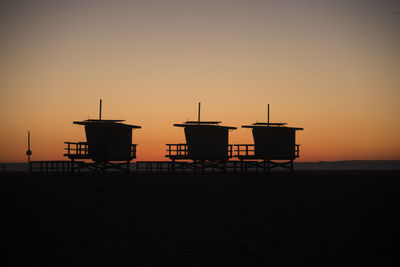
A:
{"x": 112, "y": 123}
{"x": 203, "y": 123}
{"x": 271, "y": 124}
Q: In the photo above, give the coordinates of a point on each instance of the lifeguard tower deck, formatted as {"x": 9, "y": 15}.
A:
{"x": 274, "y": 146}
{"x": 108, "y": 145}
{"x": 206, "y": 146}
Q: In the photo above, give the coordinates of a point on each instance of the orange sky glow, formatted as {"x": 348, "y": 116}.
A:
{"x": 331, "y": 67}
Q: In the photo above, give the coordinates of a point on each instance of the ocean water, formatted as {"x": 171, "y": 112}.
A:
{"x": 322, "y": 165}
{"x": 349, "y": 165}
{"x": 14, "y": 167}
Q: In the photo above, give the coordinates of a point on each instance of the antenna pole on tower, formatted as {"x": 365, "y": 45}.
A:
{"x": 268, "y": 116}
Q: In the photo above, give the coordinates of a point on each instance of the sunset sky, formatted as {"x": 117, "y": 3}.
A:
{"x": 331, "y": 67}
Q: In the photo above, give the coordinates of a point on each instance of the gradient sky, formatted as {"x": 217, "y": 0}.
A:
{"x": 332, "y": 67}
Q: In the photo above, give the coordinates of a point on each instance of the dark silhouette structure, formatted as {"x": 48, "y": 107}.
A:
{"x": 108, "y": 144}
{"x": 206, "y": 146}
{"x": 29, "y": 151}
{"x": 272, "y": 142}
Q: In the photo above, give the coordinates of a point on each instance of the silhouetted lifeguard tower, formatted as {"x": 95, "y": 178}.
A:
{"x": 206, "y": 146}
{"x": 108, "y": 144}
{"x": 273, "y": 142}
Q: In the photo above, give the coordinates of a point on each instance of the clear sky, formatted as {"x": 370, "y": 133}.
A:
{"x": 332, "y": 67}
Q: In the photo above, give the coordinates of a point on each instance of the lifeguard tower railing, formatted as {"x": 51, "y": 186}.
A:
{"x": 180, "y": 151}
{"x": 247, "y": 151}
{"x": 182, "y": 161}
{"x": 80, "y": 150}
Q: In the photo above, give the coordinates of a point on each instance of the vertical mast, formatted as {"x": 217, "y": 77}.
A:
{"x": 198, "y": 116}
{"x": 100, "y": 109}
{"x": 268, "y": 117}
{"x": 29, "y": 152}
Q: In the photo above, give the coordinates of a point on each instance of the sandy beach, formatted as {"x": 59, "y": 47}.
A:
{"x": 309, "y": 218}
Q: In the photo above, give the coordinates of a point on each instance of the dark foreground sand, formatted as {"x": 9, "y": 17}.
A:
{"x": 307, "y": 219}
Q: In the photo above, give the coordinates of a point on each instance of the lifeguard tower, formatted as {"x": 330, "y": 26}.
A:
{"x": 206, "y": 147}
{"x": 274, "y": 146}
{"x": 108, "y": 145}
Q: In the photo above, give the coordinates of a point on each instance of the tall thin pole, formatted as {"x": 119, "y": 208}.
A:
{"x": 29, "y": 145}
{"x": 268, "y": 116}
{"x": 100, "y": 109}
{"x": 198, "y": 118}
{"x": 29, "y": 152}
